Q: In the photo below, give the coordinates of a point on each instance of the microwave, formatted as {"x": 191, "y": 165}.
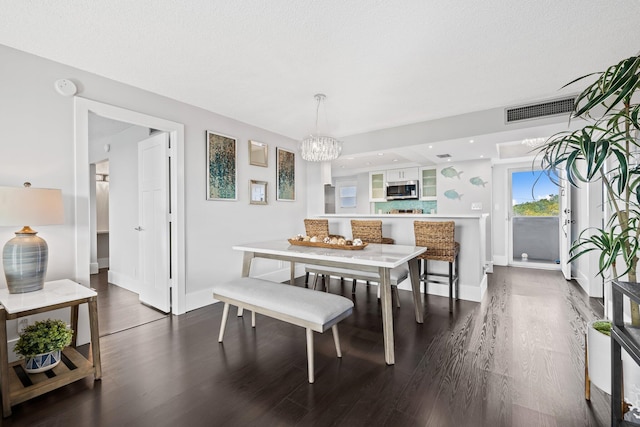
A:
{"x": 402, "y": 190}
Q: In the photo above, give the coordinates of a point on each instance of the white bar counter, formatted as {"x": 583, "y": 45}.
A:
{"x": 471, "y": 233}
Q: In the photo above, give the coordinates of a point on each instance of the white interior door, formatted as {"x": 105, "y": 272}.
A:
{"x": 565, "y": 225}
{"x": 153, "y": 227}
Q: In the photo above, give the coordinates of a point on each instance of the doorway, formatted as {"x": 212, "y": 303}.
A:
{"x": 84, "y": 220}
{"x": 534, "y": 219}
{"x": 122, "y": 264}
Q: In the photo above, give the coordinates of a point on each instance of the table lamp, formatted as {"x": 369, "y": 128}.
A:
{"x": 24, "y": 257}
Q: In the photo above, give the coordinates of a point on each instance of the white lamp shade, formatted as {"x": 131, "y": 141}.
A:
{"x": 21, "y": 206}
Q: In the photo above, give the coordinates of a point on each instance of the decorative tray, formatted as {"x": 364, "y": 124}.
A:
{"x": 327, "y": 245}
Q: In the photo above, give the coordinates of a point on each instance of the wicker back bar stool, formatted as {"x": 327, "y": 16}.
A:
{"x": 439, "y": 239}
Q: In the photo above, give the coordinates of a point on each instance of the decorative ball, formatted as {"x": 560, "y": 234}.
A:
{"x": 334, "y": 240}
{"x": 306, "y": 239}
{"x": 326, "y": 240}
{"x": 314, "y": 239}
{"x": 357, "y": 242}
{"x": 342, "y": 242}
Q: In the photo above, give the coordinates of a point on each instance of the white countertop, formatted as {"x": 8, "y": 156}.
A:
{"x": 422, "y": 216}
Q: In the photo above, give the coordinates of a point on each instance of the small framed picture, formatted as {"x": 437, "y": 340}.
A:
{"x": 257, "y": 192}
{"x": 285, "y": 175}
{"x": 258, "y": 152}
{"x": 221, "y": 167}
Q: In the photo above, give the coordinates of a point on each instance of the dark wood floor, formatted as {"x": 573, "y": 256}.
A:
{"x": 118, "y": 308}
{"x": 516, "y": 359}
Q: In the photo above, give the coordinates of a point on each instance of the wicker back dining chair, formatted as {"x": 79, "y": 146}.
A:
{"x": 316, "y": 227}
{"x": 320, "y": 229}
{"x": 369, "y": 231}
{"x": 439, "y": 239}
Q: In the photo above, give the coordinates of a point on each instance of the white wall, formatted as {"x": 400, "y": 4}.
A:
{"x": 38, "y": 137}
{"x": 102, "y": 205}
{"x": 449, "y": 185}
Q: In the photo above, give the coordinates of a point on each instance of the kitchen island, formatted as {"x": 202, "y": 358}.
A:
{"x": 471, "y": 233}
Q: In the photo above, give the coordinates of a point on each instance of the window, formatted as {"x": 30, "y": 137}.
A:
{"x": 348, "y": 196}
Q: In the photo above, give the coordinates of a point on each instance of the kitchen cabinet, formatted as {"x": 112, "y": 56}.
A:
{"x": 407, "y": 174}
{"x": 377, "y": 186}
{"x": 428, "y": 180}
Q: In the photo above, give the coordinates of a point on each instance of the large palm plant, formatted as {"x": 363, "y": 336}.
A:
{"x": 606, "y": 149}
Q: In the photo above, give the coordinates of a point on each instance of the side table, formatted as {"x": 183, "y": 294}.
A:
{"x": 16, "y": 385}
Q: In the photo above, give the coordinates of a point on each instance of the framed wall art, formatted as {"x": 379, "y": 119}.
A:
{"x": 257, "y": 192}
{"x": 285, "y": 175}
{"x": 258, "y": 152}
{"x": 221, "y": 167}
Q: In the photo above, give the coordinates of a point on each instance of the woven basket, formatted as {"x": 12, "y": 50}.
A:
{"x": 438, "y": 237}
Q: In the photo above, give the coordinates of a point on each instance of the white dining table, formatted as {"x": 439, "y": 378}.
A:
{"x": 375, "y": 258}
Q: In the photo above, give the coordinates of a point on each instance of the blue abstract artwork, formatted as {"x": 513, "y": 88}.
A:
{"x": 286, "y": 171}
{"x": 221, "y": 167}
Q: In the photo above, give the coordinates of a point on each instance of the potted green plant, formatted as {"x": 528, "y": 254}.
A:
{"x": 606, "y": 149}
{"x": 41, "y": 344}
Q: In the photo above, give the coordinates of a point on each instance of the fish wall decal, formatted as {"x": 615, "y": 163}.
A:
{"x": 450, "y": 172}
{"x": 452, "y": 195}
{"x": 476, "y": 180}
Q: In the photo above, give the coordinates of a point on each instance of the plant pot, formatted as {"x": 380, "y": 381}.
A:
{"x": 42, "y": 362}
{"x": 599, "y": 363}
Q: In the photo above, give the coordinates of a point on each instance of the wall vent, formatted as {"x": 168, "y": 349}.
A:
{"x": 443, "y": 156}
{"x": 543, "y": 109}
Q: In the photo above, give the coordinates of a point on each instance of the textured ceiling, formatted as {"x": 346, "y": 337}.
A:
{"x": 381, "y": 63}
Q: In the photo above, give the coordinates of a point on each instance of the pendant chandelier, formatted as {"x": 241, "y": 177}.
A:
{"x": 318, "y": 148}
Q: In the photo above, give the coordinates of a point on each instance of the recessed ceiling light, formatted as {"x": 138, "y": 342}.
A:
{"x": 448, "y": 160}
{"x": 482, "y": 156}
{"x": 471, "y": 141}
{"x": 395, "y": 160}
{"x": 380, "y": 154}
{"x": 431, "y": 146}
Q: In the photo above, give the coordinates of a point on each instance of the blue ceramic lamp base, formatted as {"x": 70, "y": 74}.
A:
{"x": 24, "y": 259}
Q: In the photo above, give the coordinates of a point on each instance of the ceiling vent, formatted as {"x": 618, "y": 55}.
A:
{"x": 443, "y": 156}
{"x": 540, "y": 110}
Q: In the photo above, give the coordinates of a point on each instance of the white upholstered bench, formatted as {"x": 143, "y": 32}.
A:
{"x": 314, "y": 311}
{"x": 396, "y": 275}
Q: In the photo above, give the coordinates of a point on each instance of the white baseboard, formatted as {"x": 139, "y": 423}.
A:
{"x": 93, "y": 267}
{"x": 196, "y": 300}
{"x": 124, "y": 281}
{"x": 468, "y": 292}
